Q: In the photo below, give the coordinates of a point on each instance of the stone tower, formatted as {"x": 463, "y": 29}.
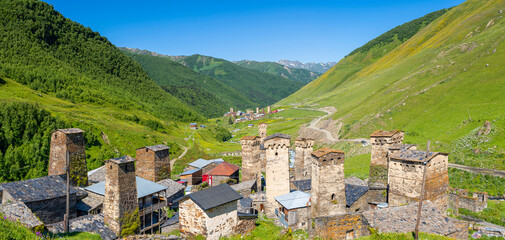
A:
{"x": 120, "y": 192}
{"x": 153, "y": 163}
{"x": 251, "y": 161}
{"x": 277, "y": 168}
{"x": 257, "y": 110}
{"x": 406, "y": 168}
{"x": 303, "y": 158}
{"x": 262, "y": 130}
{"x": 71, "y": 141}
{"x": 381, "y": 141}
{"x": 268, "y": 109}
{"x": 328, "y": 183}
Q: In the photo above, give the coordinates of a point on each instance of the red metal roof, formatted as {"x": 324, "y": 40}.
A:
{"x": 224, "y": 169}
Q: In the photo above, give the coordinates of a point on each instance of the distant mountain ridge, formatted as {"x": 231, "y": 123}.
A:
{"x": 297, "y": 74}
{"x": 311, "y": 66}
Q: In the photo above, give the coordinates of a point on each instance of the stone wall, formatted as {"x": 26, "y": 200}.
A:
{"x": 192, "y": 220}
{"x": 262, "y": 130}
{"x": 361, "y": 204}
{"x": 251, "y": 162}
{"x": 52, "y": 210}
{"x": 153, "y": 165}
{"x": 245, "y": 225}
{"x": 303, "y": 159}
{"x": 299, "y": 218}
{"x": 347, "y": 226}
{"x": 71, "y": 141}
{"x": 328, "y": 185}
{"x": 461, "y": 198}
{"x": 221, "y": 221}
{"x": 120, "y": 192}
{"x": 277, "y": 170}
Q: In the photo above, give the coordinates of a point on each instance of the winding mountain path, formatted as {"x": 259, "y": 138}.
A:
{"x": 485, "y": 171}
{"x": 172, "y": 162}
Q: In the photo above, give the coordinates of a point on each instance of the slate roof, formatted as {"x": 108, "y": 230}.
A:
{"x": 88, "y": 223}
{"x": 97, "y": 175}
{"x": 403, "y": 219}
{"x": 296, "y": 199}
{"x": 38, "y": 189}
{"x": 381, "y": 133}
{"x": 414, "y": 156}
{"x": 156, "y": 148}
{"x": 214, "y": 196}
{"x": 353, "y": 193}
{"x": 173, "y": 187}
{"x": 244, "y": 205}
{"x": 245, "y": 185}
{"x": 121, "y": 160}
{"x": 190, "y": 171}
{"x": 277, "y": 135}
{"x": 249, "y": 137}
{"x": 171, "y": 221}
{"x": 323, "y": 151}
{"x": 355, "y": 181}
{"x": 144, "y": 187}
{"x": 224, "y": 169}
{"x": 88, "y": 203}
{"x": 259, "y": 196}
{"x": 304, "y": 139}
{"x": 20, "y": 212}
{"x": 401, "y": 146}
{"x": 303, "y": 185}
{"x": 70, "y": 130}
{"x": 200, "y": 163}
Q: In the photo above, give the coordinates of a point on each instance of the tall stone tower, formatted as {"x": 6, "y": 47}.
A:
{"x": 328, "y": 183}
{"x": 257, "y": 110}
{"x": 71, "y": 141}
{"x": 303, "y": 158}
{"x": 251, "y": 161}
{"x": 277, "y": 168}
{"x": 268, "y": 109}
{"x": 381, "y": 141}
{"x": 262, "y": 130}
{"x": 153, "y": 162}
{"x": 120, "y": 192}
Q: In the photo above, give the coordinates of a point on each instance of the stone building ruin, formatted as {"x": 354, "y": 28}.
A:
{"x": 153, "y": 163}
{"x": 303, "y": 158}
{"x": 277, "y": 169}
{"x": 461, "y": 198}
{"x": 68, "y": 141}
{"x": 328, "y": 183}
{"x": 120, "y": 192}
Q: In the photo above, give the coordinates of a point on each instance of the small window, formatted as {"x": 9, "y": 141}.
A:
{"x": 333, "y": 196}
{"x": 147, "y": 150}
{"x": 276, "y": 154}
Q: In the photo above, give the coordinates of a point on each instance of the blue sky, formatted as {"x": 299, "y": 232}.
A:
{"x": 262, "y": 30}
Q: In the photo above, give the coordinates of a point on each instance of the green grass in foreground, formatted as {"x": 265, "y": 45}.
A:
{"x": 494, "y": 213}
{"x": 403, "y": 236}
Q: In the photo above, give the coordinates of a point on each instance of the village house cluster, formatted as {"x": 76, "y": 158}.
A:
{"x": 210, "y": 199}
{"x": 249, "y": 114}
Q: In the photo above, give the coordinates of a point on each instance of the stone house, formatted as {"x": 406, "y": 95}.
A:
{"x": 211, "y": 212}
{"x": 153, "y": 163}
{"x": 174, "y": 191}
{"x": 68, "y": 143}
{"x": 44, "y": 196}
{"x": 461, "y": 198}
{"x": 356, "y": 198}
{"x": 194, "y": 176}
{"x": 406, "y": 173}
{"x": 205, "y": 165}
{"x": 223, "y": 173}
{"x": 294, "y": 209}
{"x": 343, "y": 226}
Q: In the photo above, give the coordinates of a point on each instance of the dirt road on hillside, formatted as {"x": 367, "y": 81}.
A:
{"x": 485, "y": 171}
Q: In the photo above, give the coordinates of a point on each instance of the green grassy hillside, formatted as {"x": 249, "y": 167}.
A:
{"x": 55, "y": 73}
{"x": 299, "y": 75}
{"x": 50, "y": 53}
{"x": 205, "y": 94}
{"x": 261, "y": 88}
{"x": 441, "y": 84}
